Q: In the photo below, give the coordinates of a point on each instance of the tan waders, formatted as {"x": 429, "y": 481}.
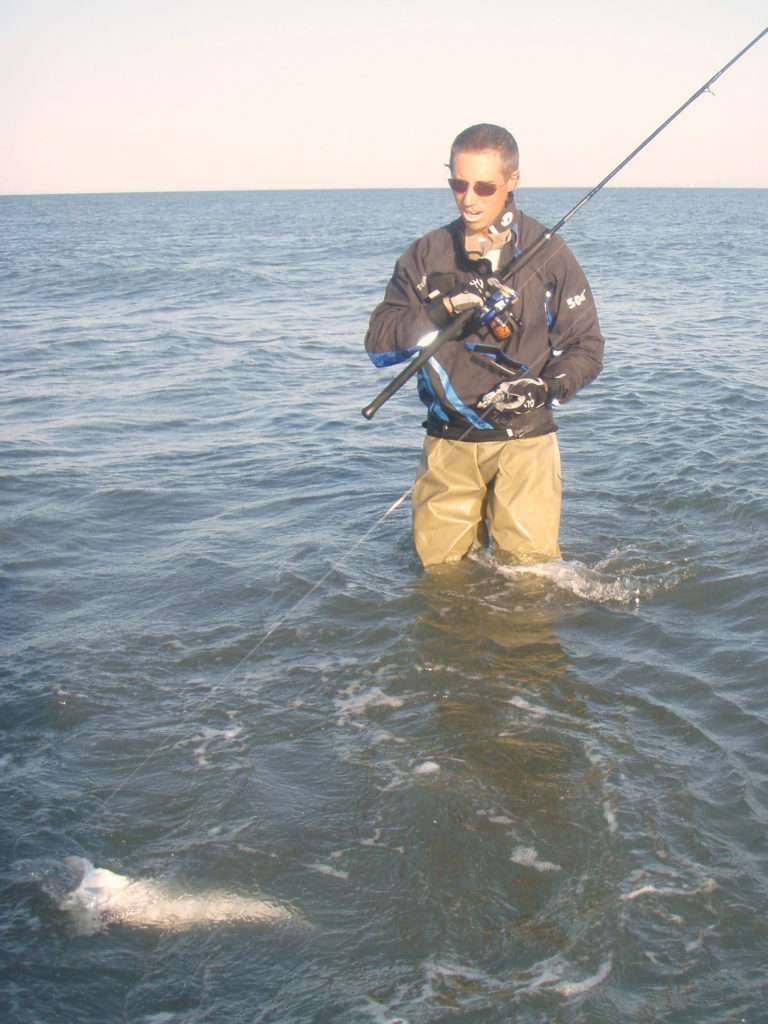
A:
{"x": 514, "y": 486}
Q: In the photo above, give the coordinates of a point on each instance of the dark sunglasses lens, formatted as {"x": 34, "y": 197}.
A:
{"x": 482, "y": 188}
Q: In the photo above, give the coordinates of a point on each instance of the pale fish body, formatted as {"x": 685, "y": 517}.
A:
{"x": 104, "y": 897}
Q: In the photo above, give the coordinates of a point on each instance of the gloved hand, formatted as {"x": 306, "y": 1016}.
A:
{"x": 467, "y": 296}
{"x": 442, "y": 307}
{"x": 517, "y": 396}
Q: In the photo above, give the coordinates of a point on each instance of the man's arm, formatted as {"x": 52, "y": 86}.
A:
{"x": 574, "y": 331}
{"x": 401, "y": 320}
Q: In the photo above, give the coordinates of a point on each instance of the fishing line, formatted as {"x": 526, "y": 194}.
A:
{"x": 451, "y": 332}
{"x": 286, "y": 617}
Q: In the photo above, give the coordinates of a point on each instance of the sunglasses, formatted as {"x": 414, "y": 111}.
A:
{"x": 482, "y": 188}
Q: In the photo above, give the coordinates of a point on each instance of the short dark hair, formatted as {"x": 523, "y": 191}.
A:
{"x": 488, "y": 136}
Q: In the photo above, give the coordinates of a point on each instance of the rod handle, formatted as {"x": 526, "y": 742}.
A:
{"x": 454, "y": 330}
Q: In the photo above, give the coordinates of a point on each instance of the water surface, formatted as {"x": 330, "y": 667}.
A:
{"x": 492, "y": 794}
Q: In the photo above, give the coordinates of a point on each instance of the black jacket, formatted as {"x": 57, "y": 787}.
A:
{"x": 559, "y": 335}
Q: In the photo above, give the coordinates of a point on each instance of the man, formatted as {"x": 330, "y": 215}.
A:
{"x": 491, "y": 454}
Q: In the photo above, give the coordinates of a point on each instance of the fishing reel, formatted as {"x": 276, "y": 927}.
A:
{"x": 496, "y": 312}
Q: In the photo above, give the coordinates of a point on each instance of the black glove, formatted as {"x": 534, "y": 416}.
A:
{"x": 469, "y": 295}
{"x": 556, "y": 388}
{"x": 517, "y": 396}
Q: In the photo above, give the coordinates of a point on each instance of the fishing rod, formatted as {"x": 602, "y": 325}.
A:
{"x": 455, "y": 329}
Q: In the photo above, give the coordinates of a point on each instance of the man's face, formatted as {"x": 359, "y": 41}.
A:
{"x": 482, "y": 169}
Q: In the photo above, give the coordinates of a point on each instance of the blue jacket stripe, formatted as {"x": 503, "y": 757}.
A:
{"x": 390, "y": 358}
{"x": 429, "y": 398}
{"x": 469, "y": 415}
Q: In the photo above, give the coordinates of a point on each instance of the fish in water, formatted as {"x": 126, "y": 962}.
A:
{"x": 103, "y": 897}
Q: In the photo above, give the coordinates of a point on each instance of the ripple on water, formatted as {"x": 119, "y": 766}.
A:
{"x": 616, "y": 579}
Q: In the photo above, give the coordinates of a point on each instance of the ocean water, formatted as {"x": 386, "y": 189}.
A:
{"x": 481, "y": 794}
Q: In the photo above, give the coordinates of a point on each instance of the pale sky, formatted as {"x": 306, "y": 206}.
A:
{"x": 128, "y": 95}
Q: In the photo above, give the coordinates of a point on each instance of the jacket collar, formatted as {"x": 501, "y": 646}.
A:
{"x": 471, "y": 250}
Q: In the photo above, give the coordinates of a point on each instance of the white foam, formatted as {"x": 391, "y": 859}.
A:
{"x": 524, "y": 705}
{"x": 581, "y": 581}
{"x": 209, "y": 736}
{"x": 549, "y": 972}
{"x": 577, "y": 988}
{"x": 529, "y": 858}
{"x": 397, "y": 777}
{"x": 553, "y": 975}
{"x": 427, "y": 768}
{"x": 708, "y": 885}
{"x": 375, "y": 839}
{"x": 357, "y": 700}
{"x": 439, "y": 975}
{"x": 610, "y": 816}
{"x": 380, "y": 1013}
{"x": 698, "y": 943}
{"x": 382, "y": 736}
{"x": 494, "y": 816}
{"x": 327, "y": 869}
{"x": 548, "y": 976}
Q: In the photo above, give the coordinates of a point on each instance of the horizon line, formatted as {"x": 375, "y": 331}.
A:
{"x": 361, "y": 188}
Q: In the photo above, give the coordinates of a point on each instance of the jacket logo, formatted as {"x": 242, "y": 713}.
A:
{"x": 576, "y": 300}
